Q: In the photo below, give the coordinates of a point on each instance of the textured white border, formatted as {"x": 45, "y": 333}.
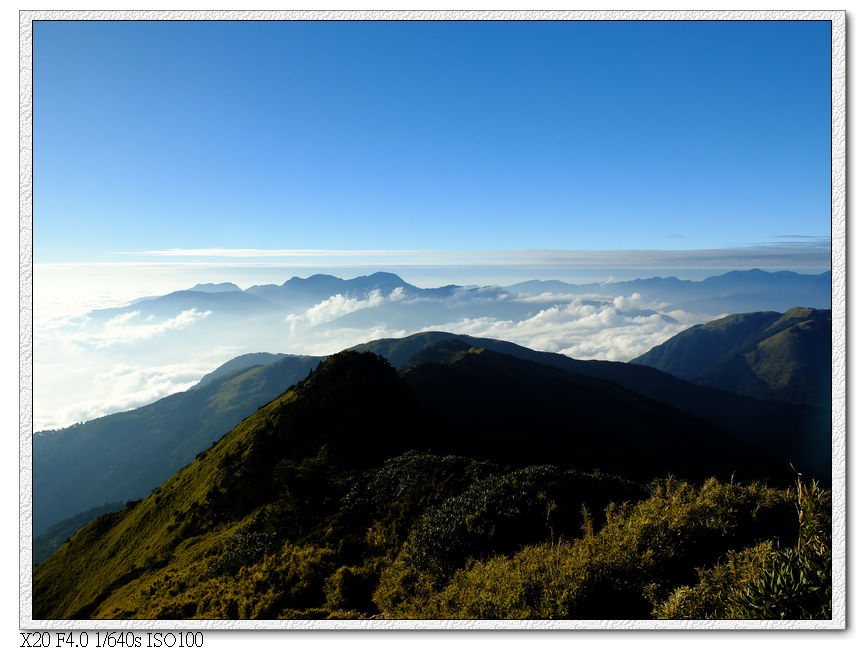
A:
{"x": 25, "y": 323}
{"x": 839, "y": 319}
{"x": 839, "y": 414}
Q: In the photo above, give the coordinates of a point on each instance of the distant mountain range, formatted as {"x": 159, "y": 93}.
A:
{"x": 736, "y": 291}
{"x": 124, "y": 456}
{"x": 294, "y": 294}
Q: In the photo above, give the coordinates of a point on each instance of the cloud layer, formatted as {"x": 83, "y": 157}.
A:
{"x": 613, "y": 330}
{"x": 86, "y": 368}
{"x": 120, "y": 387}
{"x": 128, "y": 327}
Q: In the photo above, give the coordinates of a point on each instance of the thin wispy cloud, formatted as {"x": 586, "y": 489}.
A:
{"x": 808, "y": 238}
{"x": 784, "y": 255}
{"x": 265, "y": 252}
{"x": 796, "y": 251}
{"x": 124, "y": 329}
{"x": 128, "y": 327}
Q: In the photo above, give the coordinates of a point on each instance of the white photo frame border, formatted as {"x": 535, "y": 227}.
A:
{"x": 839, "y": 319}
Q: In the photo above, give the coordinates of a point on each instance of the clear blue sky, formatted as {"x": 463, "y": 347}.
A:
{"x": 476, "y": 136}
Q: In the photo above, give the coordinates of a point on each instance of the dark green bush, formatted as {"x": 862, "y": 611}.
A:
{"x": 382, "y": 504}
{"x": 506, "y": 511}
{"x": 413, "y": 475}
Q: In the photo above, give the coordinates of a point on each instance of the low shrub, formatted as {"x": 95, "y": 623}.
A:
{"x": 643, "y": 553}
{"x": 768, "y": 581}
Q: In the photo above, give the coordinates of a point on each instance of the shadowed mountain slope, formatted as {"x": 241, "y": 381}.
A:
{"x": 490, "y": 405}
{"x": 798, "y": 431}
{"x": 355, "y": 406}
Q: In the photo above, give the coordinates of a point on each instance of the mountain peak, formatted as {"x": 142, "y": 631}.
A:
{"x": 379, "y": 280}
{"x": 315, "y": 278}
{"x": 385, "y": 275}
{"x": 210, "y": 287}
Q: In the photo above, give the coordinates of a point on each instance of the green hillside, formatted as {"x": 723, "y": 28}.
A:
{"x": 314, "y": 506}
{"x": 124, "y": 456}
{"x": 242, "y": 362}
{"x": 765, "y": 355}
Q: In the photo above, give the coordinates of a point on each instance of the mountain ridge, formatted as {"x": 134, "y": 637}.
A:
{"x": 108, "y": 452}
{"x": 763, "y": 355}
{"x": 264, "y": 507}
{"x": 734, "y": 291}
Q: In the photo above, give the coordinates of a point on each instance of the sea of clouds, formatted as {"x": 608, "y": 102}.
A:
{"x": 87, "y": 367}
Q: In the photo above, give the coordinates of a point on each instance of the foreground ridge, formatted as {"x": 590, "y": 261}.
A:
{"x": 316, "y": 506}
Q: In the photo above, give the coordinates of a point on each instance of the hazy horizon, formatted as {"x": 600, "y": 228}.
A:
{"x": 69, "y": 289}
{"x": 87, "y": 366}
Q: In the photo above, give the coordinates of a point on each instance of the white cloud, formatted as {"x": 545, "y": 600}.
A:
{"x": 122, "y": 319}
{"x": 129, "y": 327}
{"x": 120, "y": 388}
{"x": 584, "y": 331}
{"x": 339, "y": 305}
{"x": 85, "y": 369}
{"x": 546, "y": 296}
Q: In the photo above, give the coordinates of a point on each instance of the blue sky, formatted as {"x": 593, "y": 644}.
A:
{"x": 427, "y": 136}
